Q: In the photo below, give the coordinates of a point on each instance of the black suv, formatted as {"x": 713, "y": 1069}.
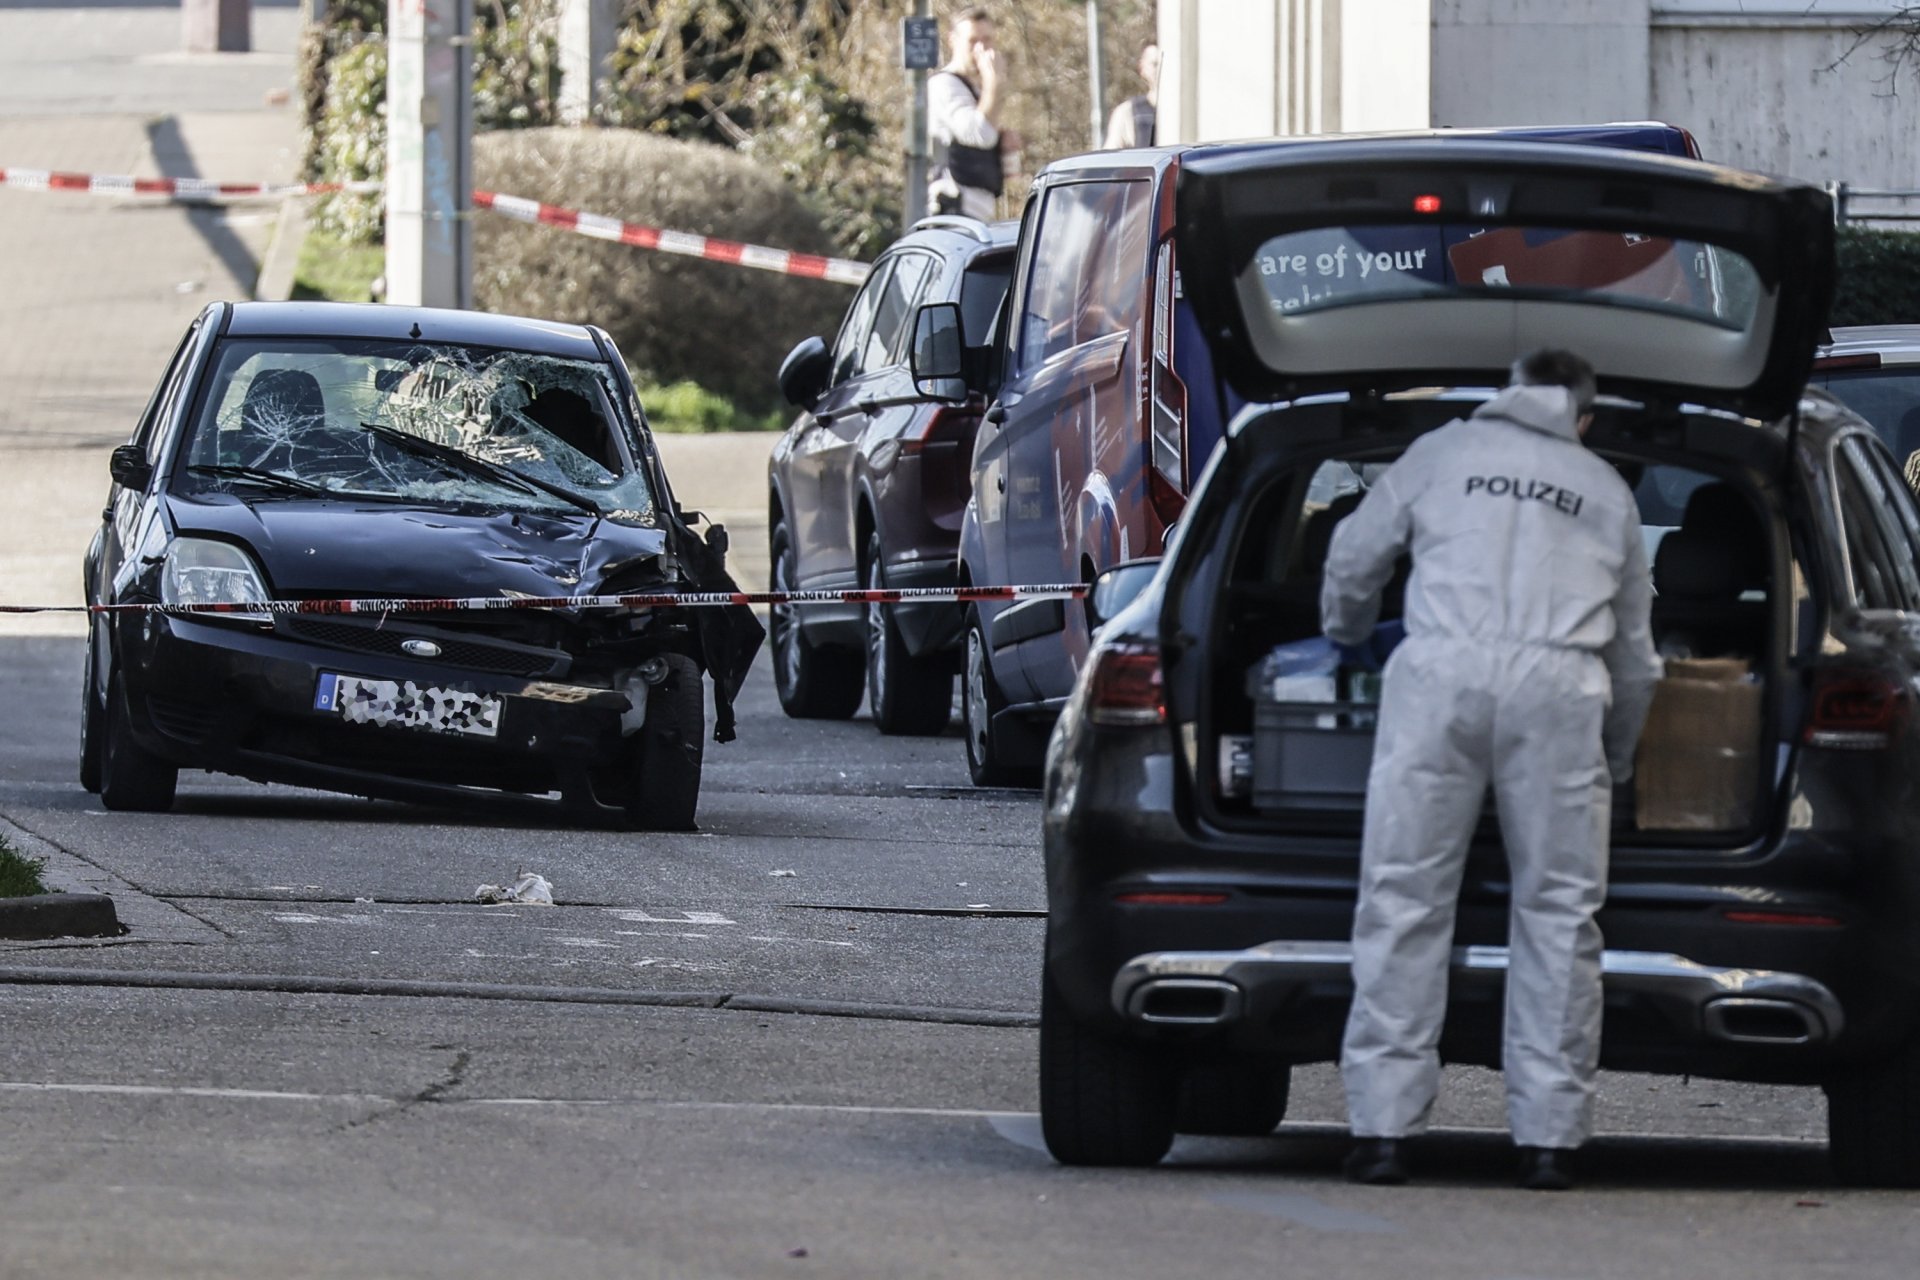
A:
{"x": 867, "y": 487}
{"x": 1202, "y": 831}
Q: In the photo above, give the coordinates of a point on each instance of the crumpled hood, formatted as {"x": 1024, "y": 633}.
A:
{"x": 1549, "y": 410}
{"x": 311, "y": 548}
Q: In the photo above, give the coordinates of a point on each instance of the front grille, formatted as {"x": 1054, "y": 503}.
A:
{"x": 179, "y": 718}
{"x": 470, "y": 655}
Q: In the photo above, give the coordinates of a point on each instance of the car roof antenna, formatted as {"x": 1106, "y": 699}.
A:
{"x": 415, "y": 331}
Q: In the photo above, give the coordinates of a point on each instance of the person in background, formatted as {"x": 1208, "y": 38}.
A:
{"x": 1528, "y": 664}
{"x": 964, "y": 101}
{"x": 1131, "y": 124}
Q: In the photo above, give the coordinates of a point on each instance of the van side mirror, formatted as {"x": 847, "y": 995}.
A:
{"x": 129, "y": 466}
{"x": 939, "y": 356}
{"x": 804, "y": 373}
{"x": 1117, "y": 588}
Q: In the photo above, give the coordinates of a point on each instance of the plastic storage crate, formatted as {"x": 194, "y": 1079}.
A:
{"x": 1311, "y": 755}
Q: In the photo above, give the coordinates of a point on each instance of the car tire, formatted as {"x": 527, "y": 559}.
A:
{"x": 1233, "y": 1098}
{"x": 813, "y": 683}
{"x": 132, "y": 778}
{"x": 93, "y": 726}
{"x": 980, "y": 701}
{"x": 906, "y": 694}
{"x": 1873, "y": 1122}
{"x": 668, "y": 750}
{"x": 1103, "y": 1100}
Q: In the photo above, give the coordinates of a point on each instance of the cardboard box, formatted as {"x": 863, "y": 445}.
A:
{"x": 1698, "y": 767}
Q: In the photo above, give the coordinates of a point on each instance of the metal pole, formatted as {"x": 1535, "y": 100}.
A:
{"x": 216, "y": 26}
{"x": 588, "y": 29}
{"x": 429, "y": 150}
{"x": 1096, "y": 82}
{"x": 918, "y": 148}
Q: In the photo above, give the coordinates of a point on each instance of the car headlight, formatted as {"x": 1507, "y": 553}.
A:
{"x": 202, "y": 571}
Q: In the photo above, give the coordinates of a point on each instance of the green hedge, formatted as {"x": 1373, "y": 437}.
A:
{"x": 1878, "y": 279}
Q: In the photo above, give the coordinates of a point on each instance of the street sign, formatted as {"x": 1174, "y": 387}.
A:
{"x": 920, "y": 43}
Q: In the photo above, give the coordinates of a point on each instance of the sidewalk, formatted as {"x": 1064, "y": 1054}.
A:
{"x": 99, "y": 290}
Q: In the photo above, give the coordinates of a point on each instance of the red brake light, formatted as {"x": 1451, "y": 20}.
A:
{"x": 1125, "y": 686}
{"x": 1426, "y": 204}
{"x": 1857, "y": 710}
{"x": 1864, "y": 360}
{"x": 1171, "y": 899}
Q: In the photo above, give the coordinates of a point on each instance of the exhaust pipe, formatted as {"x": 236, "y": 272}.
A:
{"x": 1755, "y": 1020}
{"x": 1194, "y": 1002}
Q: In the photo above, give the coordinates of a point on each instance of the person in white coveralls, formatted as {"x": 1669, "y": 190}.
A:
{"x": 1529, "y": 664}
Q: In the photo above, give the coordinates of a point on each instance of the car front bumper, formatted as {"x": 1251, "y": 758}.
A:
{"x": 243, "y": 700}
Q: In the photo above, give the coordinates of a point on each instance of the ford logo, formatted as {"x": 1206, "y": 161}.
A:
{"x": 420, "y": 648}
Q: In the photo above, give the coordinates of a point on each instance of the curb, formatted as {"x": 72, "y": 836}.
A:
{"x": 59, "y": 915}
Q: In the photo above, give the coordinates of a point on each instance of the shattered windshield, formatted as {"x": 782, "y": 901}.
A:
{"x": 415, "y": 422}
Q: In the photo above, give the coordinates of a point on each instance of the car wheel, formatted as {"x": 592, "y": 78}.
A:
{"x": 1233, "y": 1098}
{"x": 93, "y": 725}
{"x": 813, "y": 683}
{"x": 980, "y": 701}
{"x": 1873, "y": 1122}
{"x": 667, "y": 752}
{"x": 907, "y": 695}
{"x": 132, "y": 778}
{"x": 1103, "y": 1100}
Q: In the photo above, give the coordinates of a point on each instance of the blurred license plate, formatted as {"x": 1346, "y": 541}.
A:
{"x": 402, "y": 704}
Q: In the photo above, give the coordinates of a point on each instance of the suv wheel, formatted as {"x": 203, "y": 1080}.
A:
{"x": 132, "y": 778}
{"x": 906, "y": 694}
{"x": 1103, "y": 1101}
{"x": 813, "y": 684}
{"x": 1233, "y": 1097}
{"x": 1873, "y": 1122}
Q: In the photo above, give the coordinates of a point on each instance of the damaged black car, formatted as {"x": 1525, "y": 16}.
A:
{"x": 322, "y": 451}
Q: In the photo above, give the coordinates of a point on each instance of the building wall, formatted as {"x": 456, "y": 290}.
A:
{"x": 1757, "y": 93}
{"x": 1500, "y": 62}
{"x": 1755, "y": 80}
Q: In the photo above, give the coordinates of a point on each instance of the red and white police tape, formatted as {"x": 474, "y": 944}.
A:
{"x": 651, "y": 600}
{"x": 200, "y": 190}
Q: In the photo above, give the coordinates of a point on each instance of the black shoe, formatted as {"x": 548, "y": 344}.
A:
{"x": 1376, "y": 1162}
{"x": 1546, "y": 1169}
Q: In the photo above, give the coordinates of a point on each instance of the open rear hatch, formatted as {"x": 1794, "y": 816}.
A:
{"x": 1392, "y": 269}
{"x": 1376, "y": 263}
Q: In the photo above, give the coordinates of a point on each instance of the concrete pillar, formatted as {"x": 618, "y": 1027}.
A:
{"x": 216, "y": 26}
{"x": 587, "y": 34}
{"x": 429, "y": 168}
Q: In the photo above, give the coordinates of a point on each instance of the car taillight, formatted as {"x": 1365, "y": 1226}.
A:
{"x": 1855, "y": 710}
{"x": 1125, "y": 686}
{"x": 945, "y": 449}
{"x": 1166, "y": 400}
{"x": 1864, "y": 360}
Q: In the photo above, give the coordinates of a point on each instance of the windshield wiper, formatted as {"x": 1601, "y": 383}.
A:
{"x": 260, "y": 475}
{"x": 471, "y": 464}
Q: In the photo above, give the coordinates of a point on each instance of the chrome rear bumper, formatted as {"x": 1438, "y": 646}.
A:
{"x": 1727, "y": 1006}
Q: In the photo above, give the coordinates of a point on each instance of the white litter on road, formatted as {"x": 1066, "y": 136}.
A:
{"x": 529, "y": 888}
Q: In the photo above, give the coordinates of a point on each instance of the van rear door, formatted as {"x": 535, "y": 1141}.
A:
{"x": 1371, "y": 263}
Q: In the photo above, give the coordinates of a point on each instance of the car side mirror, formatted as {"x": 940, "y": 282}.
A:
{"x": 804, "y": 373}
{"x": 1117, "y": 588}
{"x": 939, "y": 355}
{"x": 130, "y": 468}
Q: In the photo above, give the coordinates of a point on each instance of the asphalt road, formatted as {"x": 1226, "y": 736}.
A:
{"x": 315, "y": 1055}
